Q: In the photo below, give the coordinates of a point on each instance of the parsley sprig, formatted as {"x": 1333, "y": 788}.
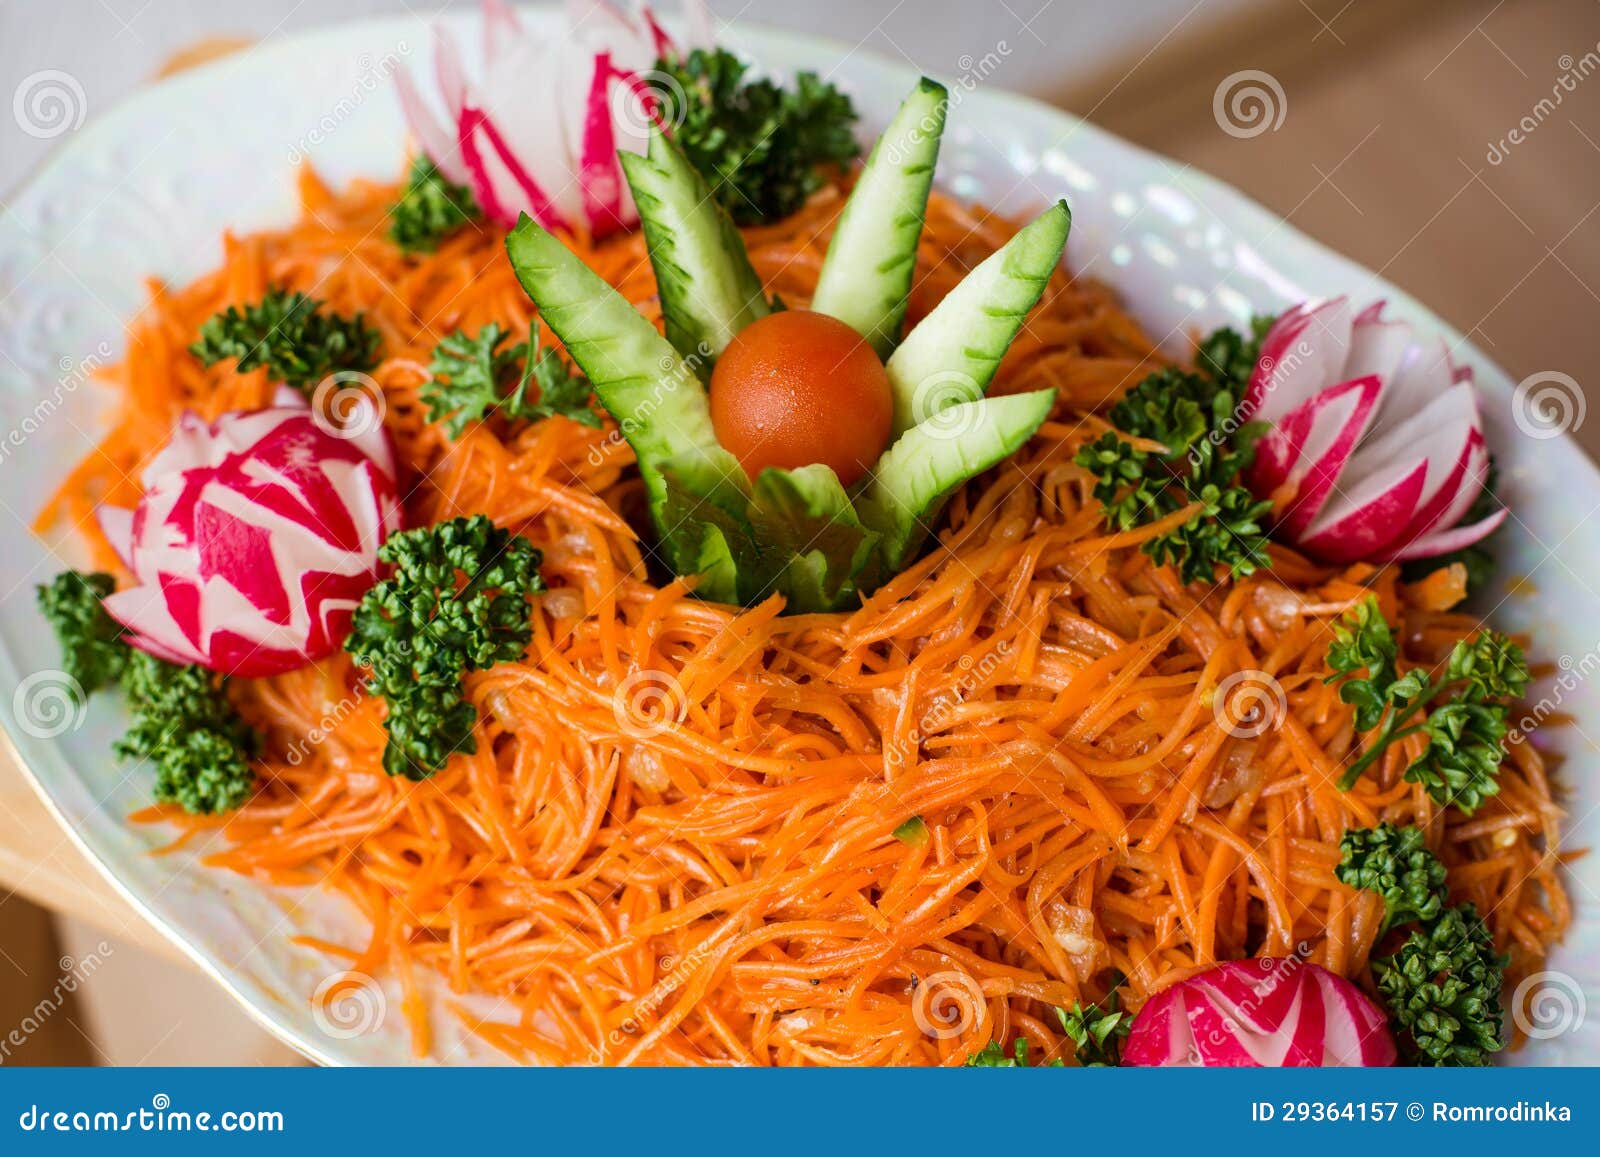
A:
{"x": 457, "y": 601}
{"x": 762, "y": 147}
{"x": 1230, "y": 357}
{"x": 291, "y": 334}
{"x": 471, "y": 372}
{"x": 1397, "y": 865}
{"x": 1443, "y": 984}
{"x": 1466, "y": 731}
{"x": 93, "y": 652}
{"x": 1096, "y": 1031}
{"x": 994, "y": 1056}
{"x": 1194, "y": 417}
{"x": 430, "y": 208}
{"x": 183, "y": 722}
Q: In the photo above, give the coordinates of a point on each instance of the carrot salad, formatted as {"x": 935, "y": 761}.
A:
{"x": 687, "y": 834}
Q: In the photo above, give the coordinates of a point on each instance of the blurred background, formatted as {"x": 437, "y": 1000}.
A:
{"x": 1453, "y": 146}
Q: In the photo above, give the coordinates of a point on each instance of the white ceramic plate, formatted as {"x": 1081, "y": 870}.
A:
{"x": 150, "y": 187}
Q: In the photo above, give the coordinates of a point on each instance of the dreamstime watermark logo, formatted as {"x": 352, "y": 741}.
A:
{"x": 676, "y": 372}
{"x": 348, "y": 404}
{"x": 49, "y": 103}
{"x": 1249, "y": 703}
{"x": 73, "y": 375}
{"x": 938, "y": 405}
{"x": 1271, "y": 372}
{"x": 315, "y": 735}
{"x": 649, "y": 99}
{"x": 75, "y": 971}
{"x": 649, "y": 702}
{"x": 675, "y": 972}
{"x": 974, "y": 674}
{"x": 48, "y": 703}
{"x": 374, "y": 77}
{"x": 947, "y": 1004}
{"x": 1549, "y": 1004}
{"x": 1573, "y": 73}
{"x": 1574, "y": 672}
{"x": 1548, "y": 404}
{"x": 1248, "y": 103}
{"x": 975, "y": 70}
{"x": 349, "y": 1004}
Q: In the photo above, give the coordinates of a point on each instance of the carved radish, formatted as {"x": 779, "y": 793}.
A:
{"x": 539, "y": 132}
{"x": 256, "y": 537}
{"x": 1375, "y": 448}
{"x": 1262, "y": 1013}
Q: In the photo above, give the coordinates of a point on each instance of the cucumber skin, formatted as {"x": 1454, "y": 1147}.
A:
{"x": 709, "y": 290}
{"x": 960, "y": 344}
{"x": 638, "y": 376}
{"x": 918, "y": 472}
{"x": 867, "y": 273}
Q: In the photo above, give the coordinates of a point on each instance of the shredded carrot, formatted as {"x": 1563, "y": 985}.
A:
{"x": 724, "y": 885}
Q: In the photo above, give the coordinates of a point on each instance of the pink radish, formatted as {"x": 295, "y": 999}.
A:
{"x": 1269, "y": 1012}
{"x": 1375, "y": 448}
{"x": 538, "y": 133}
{"x": 256, "y": 537}
{"x": 1308, "y": 448}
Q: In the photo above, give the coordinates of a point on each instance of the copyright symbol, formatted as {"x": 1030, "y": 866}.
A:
{"x": 1414, "y": 1111}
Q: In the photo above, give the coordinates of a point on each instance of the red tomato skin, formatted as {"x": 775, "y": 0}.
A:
{"x": 798, "y": 388}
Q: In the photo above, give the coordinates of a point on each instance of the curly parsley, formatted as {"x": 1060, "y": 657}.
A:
{"x": 457, "y": 601}
{"x": 185, "y": 726}
{"x": 292, "y": 336}
{"x": 762, "y": 147}
{"x": 430, "y": 208}
{"x": 1397, "y": 865}
{"x": 92, "y": 649}
{"x": 183, "y": 722}
{"x": 1194, "y": 418}
{"x": 1443, "y": 984}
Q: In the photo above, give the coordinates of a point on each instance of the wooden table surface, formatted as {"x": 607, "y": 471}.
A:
{"x": 1391, "y": 108}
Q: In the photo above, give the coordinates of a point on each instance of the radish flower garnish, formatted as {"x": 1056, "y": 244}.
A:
{"x": 1268, "y": 1012}
{"x": 256, "y": 538}
{"x": 538, "y": 133}
{"x": 1375, "y": 446}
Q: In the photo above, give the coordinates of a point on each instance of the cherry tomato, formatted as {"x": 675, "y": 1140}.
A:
{"x": 799, "y": 387}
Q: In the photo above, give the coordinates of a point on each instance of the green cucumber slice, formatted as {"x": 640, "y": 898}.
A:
{"x": 917, "y": 473}
{"x": 953, "y": 352}
{"x": 709, "y": 291}
{"x": 866, "y": 276}
{"x": 638, "y": 376}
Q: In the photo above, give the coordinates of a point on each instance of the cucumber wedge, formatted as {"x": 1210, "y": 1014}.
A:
{"x": 866, "y": 276}
{"x": 953, "y": 352}
{"x": 709, "y": 291}
{"x": 638, "y": 376}
{"x": 916, "y": 474}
